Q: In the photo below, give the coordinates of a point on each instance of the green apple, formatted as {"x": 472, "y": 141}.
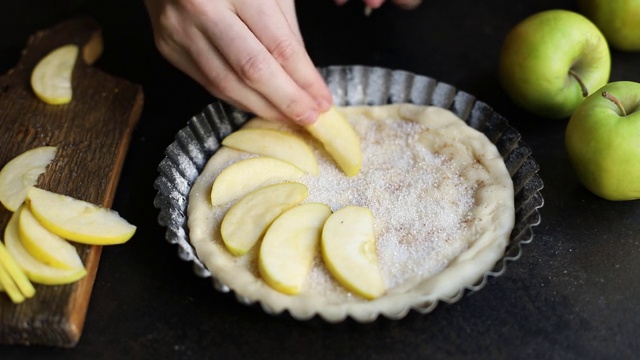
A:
{"x": 552, "y": 60}
{"x": 602, "y": 141}
{"x": 619, "y": 21}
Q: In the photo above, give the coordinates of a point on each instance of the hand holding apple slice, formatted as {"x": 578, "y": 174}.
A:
{"x": 349, "y": 251}
{"x": 276, "y": 144}
{"x": 78, "y": 220}
{"x": 51, "y": 77}
{"x": 21, "y": 173}
{"x": 290, "y": 245}
{"x": 340, "y": 140}
{"x": 35, "y": 270}
{"x": 248, "y": 219}
{"x": 247, "y": 175}
{"x": 46, "y": 246}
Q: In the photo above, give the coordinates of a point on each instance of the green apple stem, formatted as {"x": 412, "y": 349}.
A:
{"x": 607, "y": 95}
{"x": 585, "y": 92}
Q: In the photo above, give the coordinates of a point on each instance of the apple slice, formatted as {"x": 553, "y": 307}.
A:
{"x": 46, "y": 246}
{"x": 51, "y": 77}
{"x": 35, "y": 270}
{"x": 290, "y": 245}
{"x": 276, "y": 144}
{"x": 78, "y": 220}
{"x": 349, "y": 251}
{"x": 9, "y": 286}
{"x": 15, "y": 271}
{"x": 21, "y": 173}
{"x": 250, "y": 174}
{"x": 248, "y": 219}
{"x": 340, "y": 140}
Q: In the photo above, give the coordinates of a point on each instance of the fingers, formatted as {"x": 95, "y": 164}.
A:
{"x": 272, "y": 65}
{"x": 292, "y": 56}
{"x": 407, "y": 4}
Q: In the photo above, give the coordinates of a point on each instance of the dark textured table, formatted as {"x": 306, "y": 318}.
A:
{"x": 574, "y": 293}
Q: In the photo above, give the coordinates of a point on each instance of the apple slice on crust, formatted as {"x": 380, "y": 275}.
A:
{"x": 349, "y": 251}
{"x": 21, "y": 173}
{"x": 78, "y": 220}
{"x": 51, "y": 77}
{"x": 46, "y": 246}
{"x": 248, "y": 219}
{"x": 340, "y": 140}
{"x": 290, "y": 245}
{"x": 35, "y": 270}
{"x": 244, "y": 176}
{"x": 276, "y": 144}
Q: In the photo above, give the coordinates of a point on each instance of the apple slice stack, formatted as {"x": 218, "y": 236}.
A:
{"x": 36, "y": 240}
{"x": 268, "y": 207}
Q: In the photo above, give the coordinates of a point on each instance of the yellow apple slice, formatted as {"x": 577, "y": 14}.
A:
{"x": 46, "y": 246}
{"x": 277, "y": 144}
{"x": 51, "y": 77}
{"x": 250, "y": 174}
{"x": 78, "y": 220}
{"x": 290, "y": 245}
{"x": 15, "y": 271}
{"x": 10, "y": 287}
{"x": 21, "y": 173}
{"x": 34, "y": 269}
{"x": 248, "y": 219}
{"x": 340, "y": 140}
{"x": 349, "y": 251}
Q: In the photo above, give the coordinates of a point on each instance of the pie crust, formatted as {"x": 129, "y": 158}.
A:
{"x": 441, "y": 195}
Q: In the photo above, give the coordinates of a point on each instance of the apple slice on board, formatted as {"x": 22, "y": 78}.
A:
{"x": 340, "y": 140}
{"x": 349, "y": 251}
{"x": 46, "y": 246}
{"x": 276, "y": 144}
{"x": 10, "y": 286}
{"x": 290, "y": 245}
{"x": 250, "y": 174}
{"x": 51, "y": 77}
{"x": 78, "y": 220}
{"x": 248, "y": 219}
{"x": 36, "y": 271}
{"x": 21, "y": 173}
{"x": 15, "y": 271}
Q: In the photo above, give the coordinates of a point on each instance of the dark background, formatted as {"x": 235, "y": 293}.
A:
{"x": 574, "y": 294}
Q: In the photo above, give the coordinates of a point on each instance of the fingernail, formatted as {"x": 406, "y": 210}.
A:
{"x": 323, "y": 105}
{"x": 308, "y": 118}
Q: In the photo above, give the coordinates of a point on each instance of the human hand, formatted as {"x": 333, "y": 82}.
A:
{"x": 374, "y": 4}
{"x": 247, "y": 53}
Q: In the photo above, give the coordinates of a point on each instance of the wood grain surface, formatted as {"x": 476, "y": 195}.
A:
{"x": 92, "y": 134}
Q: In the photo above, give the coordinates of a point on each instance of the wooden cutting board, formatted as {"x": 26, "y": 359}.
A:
{"x": 92, "y": 134}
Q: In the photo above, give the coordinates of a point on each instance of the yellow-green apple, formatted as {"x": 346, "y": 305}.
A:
{"x": 552, "y": 60}
{"x": 619, "y": 21}
{"x": 602, "y": 140}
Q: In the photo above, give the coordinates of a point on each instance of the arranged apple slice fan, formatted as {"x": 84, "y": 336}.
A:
{"x": 321, "y": 221}
{"x": 37, "y": 245}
